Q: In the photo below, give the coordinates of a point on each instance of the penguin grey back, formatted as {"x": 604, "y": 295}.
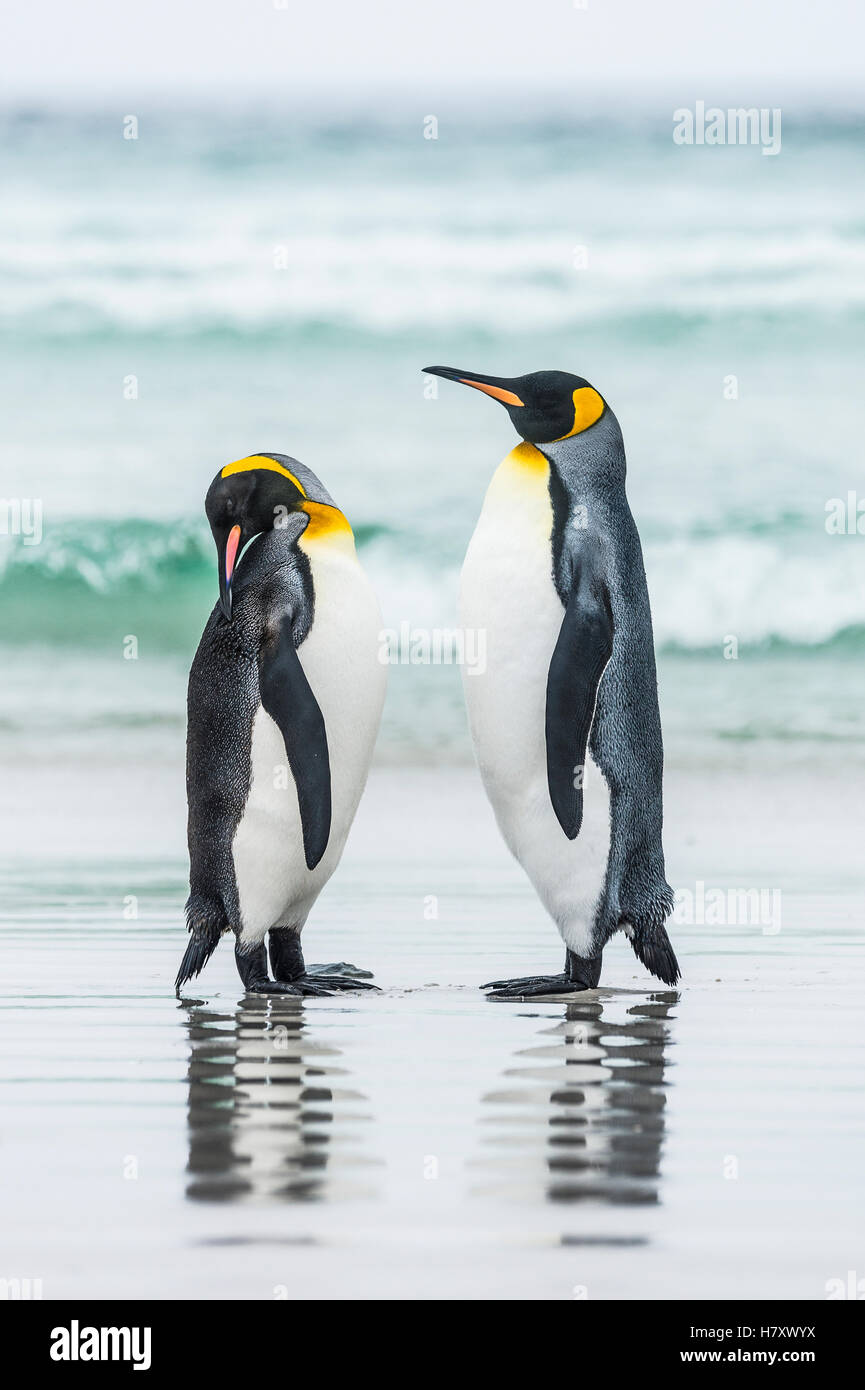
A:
{"x": 601, "y": 692}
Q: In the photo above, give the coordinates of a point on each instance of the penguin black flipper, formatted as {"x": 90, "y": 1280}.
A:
{"x": 584, "y": 647}
{"x": 288, "y": 699}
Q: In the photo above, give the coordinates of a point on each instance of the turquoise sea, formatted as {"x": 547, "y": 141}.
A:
{"x": 275, "y": 278}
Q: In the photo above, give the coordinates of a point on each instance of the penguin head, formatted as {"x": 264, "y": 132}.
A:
{"x": 246, "y": 498}
{"x": 543, "y": 406}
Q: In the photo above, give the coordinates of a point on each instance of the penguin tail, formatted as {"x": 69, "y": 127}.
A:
{"x": 648, "y": 935}
{"x": 653, "y": 947}
{"x": 206, "y": 921}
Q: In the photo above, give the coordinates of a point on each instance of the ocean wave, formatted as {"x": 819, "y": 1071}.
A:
{"x": 92, "y": 583}
{"x": 252, "y": 226}
{"x": 405, "y": 281}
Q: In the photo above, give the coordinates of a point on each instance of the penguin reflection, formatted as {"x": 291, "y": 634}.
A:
{"x": 601, "y": 1123}
{"x": 261, "y": 1104}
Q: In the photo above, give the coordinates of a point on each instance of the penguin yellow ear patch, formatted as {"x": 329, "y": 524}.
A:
{"x": 588, "y": 407}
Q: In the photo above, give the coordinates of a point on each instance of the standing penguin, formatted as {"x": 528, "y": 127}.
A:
{"x": 285, "y": 698}
{"x": 554, "y": 576}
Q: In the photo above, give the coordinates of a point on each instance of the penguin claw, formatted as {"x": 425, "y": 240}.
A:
{"x": 325, "y": 982}
{"x": 302, "y": 986}
{"x": 266, "y": 986}
{"x": 533, "y": 985}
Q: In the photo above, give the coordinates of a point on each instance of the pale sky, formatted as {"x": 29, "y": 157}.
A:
{"x": 747, "y": 48}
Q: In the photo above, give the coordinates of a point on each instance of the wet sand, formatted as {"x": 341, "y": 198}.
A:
{"x": 634, "y": 1142}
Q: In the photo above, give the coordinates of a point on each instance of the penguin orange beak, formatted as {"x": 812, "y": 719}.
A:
{"x": 227, "y": 553}
{"x": 496, "y": 386}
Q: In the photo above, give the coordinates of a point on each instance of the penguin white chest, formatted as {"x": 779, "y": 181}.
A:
{"x": 340, "y": 660}
{"x": 507, "y": 592}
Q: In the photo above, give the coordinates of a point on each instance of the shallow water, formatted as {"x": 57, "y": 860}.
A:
{"x": 422, "y": 1143}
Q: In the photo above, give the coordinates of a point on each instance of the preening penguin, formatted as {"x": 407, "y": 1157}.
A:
{"x": 285, "y": 699}
{"x": 568, "y": 702}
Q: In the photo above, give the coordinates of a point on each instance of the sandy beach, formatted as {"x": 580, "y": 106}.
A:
{"x": 631, "y": 1143}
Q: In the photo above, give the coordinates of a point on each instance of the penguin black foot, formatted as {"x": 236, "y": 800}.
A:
{"x": 579, "y": 973}
{"x": 325, "y": 983}
{"x": 530, "y": 986}
{"x": 252, "y": 969}
{"x": 287, "y": 963}
{"x": 268, "y": 986}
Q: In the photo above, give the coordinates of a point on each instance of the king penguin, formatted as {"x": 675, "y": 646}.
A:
{"x": 568, "y": 701}
{"x": 285, "y": 698}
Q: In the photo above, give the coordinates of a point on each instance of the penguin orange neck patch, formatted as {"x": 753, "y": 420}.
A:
{"x": 588, "y": 407}
{"x": 326, "y": 525}
{"x": 525, "y": 455}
